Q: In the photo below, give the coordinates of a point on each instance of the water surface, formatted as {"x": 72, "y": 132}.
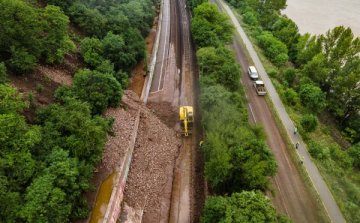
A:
{"x": 318, "y": 16}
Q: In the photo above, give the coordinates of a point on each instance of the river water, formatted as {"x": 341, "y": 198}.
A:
{"x": 318, "y": 16}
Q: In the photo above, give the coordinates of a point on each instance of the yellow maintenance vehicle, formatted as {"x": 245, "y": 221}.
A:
{"x": 186, "y": 119}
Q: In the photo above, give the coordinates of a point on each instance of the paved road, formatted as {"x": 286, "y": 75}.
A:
{"x": 163, "y": 56}
{"x": 294, "y": 198}
{"x": 329, "y": 202}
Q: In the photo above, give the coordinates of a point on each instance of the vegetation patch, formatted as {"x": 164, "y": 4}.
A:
{"x": 237, "y": 158}
{"x": 320, "y": 79}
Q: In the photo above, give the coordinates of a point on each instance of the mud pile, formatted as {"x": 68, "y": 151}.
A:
{"x": 149, "y": 182}
{"x": 150, "y": 178}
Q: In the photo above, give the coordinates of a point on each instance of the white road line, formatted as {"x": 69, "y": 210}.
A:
{"x": 251, "y": 111}
{"x": 282, "y": 197}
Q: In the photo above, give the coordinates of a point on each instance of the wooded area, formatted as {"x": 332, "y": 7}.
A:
{"x": 47, "y": 166}
{"x": 237, "y": 159}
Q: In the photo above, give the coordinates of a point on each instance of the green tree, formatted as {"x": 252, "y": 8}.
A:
{"x": 307, "y": 47}
{"x": 98, "y": 89}
{"x": 210, "y": 27}
{"x": 114, "y": 50}
{"x": 289, "y": 75}
{"x": 354, "y": 154}
{"x": 286, "y": 30}
{"x": 118, "y": 23}
{"x": 92, "y": 50}
{"x": 247, "y": 206}
{"x": 3, "y": 75}
{"x": 52, "y": 196}
{"x": 218, "y": 167}
{"x": 312, "y": 97}
{"x": 20, "y": 27}
{"x": 344, "y": 96}
{"x": 219, "y": 65}
{"x": 250, "y": 18}
{"x": 291, "y": 97}
{"x": 63, "y": 4}
{"x": 275, "y": 50}
{"x": 236, "y": 155}
{"x": 106, "y": 67}
{"x": 72, "y": 128}
{"x": 316, "y": 69}
{"x": 309, "y": 122}
{"x": 17, "y": 140}
{"x": 10, "y": 100}
{"x": 140, "y": 14}
{"x": 91, "y": 20}
{"x": 57, "y": 40}
{"x": 123, "y": 78}
{"x": 21, "y": 61}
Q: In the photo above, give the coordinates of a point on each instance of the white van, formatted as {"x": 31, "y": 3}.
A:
{"x": 253, "y": 73}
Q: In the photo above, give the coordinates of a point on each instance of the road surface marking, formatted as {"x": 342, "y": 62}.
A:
{"x": 277, "y": 185}
{"x": 251, "y": 111}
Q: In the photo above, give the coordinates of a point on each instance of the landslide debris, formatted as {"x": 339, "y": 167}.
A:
{"x": 157, "y": 145}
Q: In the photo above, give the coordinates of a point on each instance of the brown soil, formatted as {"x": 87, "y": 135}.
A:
{"x": 45, "y": 76}
{"x": 165, "y": 112}
{"x": 138, "y": 74}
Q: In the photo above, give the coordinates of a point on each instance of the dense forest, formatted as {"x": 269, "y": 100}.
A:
{"x": 238, "y": 162}
{"x": 317, "y": 77}
{"x": 46, "y": 166}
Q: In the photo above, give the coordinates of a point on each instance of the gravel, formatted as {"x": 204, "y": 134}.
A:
{"x": 156, "y": 149}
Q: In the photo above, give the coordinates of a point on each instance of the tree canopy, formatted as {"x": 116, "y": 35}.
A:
{"x": 219, "y": 65}
{"x": 28, "y": 33}
{"x": 210, "y": 27}
{"x": 247, "y": 206}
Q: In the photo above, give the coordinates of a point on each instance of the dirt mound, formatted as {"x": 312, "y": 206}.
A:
{"x": 165, "y": 112}
{"x": 150, "y": 179}
{"x": 116, "y": 146}
{"x": 156, "y": 148}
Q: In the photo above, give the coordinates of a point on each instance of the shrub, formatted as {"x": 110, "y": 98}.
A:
{"x": 273, "y": 73}
{"x": 247, "y": 206}
{"x": 40, "y": 88}
{"x": 309, "y": 122}
{"x": 98, "y": 89}
{"x": 21, "y": 61}
{"x": 319, "y": 153}
{"x": 31, "y": 97}
{"x": 250, "y": 18}
{"x": 3, "y": 76}
{"x": 349, "y": 134}
{"x": 354, "y": 153}
{"x": 123, "y": 78}
{"x": 91, "y": 49}
{"x": 291, "y": 97}
{"x": 274, "y": 49}
{"x": 106, "y": 67}
{"x": 289, "y": 75}
{"x": 312, "y": 97}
